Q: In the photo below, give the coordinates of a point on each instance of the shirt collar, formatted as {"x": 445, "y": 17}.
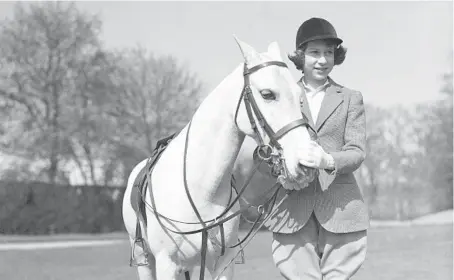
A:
{"x": 320, "y": 88}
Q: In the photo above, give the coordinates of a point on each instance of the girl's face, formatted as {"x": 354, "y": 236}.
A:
{"x": 318, "y": 60}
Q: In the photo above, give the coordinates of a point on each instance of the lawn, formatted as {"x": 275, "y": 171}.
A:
{"x": 395, "y": 253}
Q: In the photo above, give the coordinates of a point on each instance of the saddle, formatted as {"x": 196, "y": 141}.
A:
{"x": 139, "y": 188}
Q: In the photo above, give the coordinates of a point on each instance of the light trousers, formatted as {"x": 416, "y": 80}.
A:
{"x": 313, "y": 253}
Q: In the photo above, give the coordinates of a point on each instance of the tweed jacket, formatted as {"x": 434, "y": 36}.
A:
{"x": 334, "y": 197}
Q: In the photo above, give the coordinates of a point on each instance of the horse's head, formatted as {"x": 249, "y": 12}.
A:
{"x": 270, "y": 112}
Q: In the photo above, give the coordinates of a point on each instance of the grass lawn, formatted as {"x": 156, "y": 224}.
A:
{"x": 395, "y": 253}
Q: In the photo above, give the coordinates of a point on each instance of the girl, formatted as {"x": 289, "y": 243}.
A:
{"x": 320, "y": 232}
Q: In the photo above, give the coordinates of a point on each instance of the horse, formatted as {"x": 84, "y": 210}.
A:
{"x": 190, "y": 218}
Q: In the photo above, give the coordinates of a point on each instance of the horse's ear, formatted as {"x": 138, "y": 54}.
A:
{"x": 274, "y": 50}
{"x": 249, "y": 53}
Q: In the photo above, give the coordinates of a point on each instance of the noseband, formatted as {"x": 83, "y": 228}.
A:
{"x": 272, "y": 153}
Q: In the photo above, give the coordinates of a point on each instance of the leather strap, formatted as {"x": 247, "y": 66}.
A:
{"x": 262, "y": 65}
{"x": 296, "y": 123}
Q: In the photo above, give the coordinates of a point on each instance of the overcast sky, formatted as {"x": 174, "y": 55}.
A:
{"x": 397, "y": 51}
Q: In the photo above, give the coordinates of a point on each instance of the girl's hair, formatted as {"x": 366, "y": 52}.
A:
{"x": 297, "y": 57}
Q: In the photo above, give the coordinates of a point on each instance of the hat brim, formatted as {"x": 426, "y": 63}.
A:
{"x": 321, "y": 37}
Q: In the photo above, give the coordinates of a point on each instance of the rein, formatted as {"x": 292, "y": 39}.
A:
{"x": 272, "y": 152}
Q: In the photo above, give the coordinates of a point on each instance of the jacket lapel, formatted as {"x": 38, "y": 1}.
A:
{"x": 305, "y": 106}
{"x": 330, "y": 102}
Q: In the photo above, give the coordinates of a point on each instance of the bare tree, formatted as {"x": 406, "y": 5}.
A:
{"x": 392, "y": 178}
{"x": 151, "y": 97}
{"x": 436, "y": 140}
{"x": 377, "y": 148}
{"x": 70, "y": 105}
{"x": 45, "y": 50}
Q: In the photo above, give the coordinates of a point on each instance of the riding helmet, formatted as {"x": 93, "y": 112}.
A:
{"x": 315, "y": 29}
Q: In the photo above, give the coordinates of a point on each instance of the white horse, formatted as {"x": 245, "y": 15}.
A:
{"x": 189, "y": 186}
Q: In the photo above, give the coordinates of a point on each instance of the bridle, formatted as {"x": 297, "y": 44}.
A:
{"x": 271, "y": 153}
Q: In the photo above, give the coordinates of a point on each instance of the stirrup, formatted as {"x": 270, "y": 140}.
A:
{"x": 241, "y": 260}
{"x": 132, "y": 261}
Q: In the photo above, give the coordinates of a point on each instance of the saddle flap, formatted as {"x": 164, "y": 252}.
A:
{"x": 141, "y": 184}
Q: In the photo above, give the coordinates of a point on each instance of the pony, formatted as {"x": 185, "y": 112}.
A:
{"x": 190, "y": 219}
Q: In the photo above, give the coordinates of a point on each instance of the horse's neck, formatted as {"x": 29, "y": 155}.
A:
{"x": 214, "y": 140}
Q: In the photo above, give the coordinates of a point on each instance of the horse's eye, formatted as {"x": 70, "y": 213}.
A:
{"x": 268, "y": 94}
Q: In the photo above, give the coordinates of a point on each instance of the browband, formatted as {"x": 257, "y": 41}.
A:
{"x": 265, "y": 64}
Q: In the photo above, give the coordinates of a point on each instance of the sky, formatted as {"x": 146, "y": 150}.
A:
{"x": 397, "y": 51}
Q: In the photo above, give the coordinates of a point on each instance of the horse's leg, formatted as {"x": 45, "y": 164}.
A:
{"x": 147, "y": 272}
{"x": 225, "y": 266}
{"x": 166, "y": 269}
{"x": 227, "y": 274}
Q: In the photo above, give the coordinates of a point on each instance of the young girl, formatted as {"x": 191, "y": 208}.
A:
{"x": 320, "y": 232}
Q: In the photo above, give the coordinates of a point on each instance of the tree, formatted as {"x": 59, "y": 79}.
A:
{"x": 45, "y": 51}
{"x": 386, "y": 174}
{"x": 376, "y": 150}
{"x": 437, "y": 141}
{"x": 151, "y": 98}
{"x": 73, "y": 107}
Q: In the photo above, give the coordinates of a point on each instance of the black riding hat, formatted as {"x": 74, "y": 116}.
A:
{"x": 315, "y": 29}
